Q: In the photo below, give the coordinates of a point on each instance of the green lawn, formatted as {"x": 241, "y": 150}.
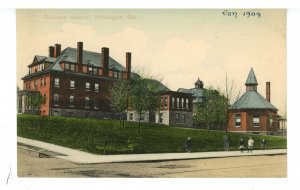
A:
{"x": 106, "y": 137}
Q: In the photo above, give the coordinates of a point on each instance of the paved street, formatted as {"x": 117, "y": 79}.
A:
{"x": 31, "y": 165}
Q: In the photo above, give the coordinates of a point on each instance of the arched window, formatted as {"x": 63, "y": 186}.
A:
{"x": 87, "y": 102}
{"x": 56, "y": 99}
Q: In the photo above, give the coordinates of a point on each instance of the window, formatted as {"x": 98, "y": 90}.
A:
{"x": 87, "y": 102}
{"x": 72, "y": 67}
{"x": 43, "y": 66}
{"x": 90, "y": 70}
{"x": 256, "y": 120}
{"x": 67, "y": 66}
{"x": 183, "y": 118}
{"x": 56, "y": 99}
{"x": 178, "y": 103}
{"x": 87, "y": 86}
{"x": 44, "y": 98}
{"x": 173, "y": 102}
{"x": 96, "y": 87}
{"x": 177, "y": 118}
{"x": 161, "y": 102}
{"x": 72, "y": 84}
{"x": 55, "y": 113}
{"x": 96, "y": 104}
{"x": 165, "y": 102}
{"x": 44, "y": 81}
{"x": 237, "y": 120}
{"x": 41, "y": 83}
{"x": 160, "y": 117}
{"x": 35, "y": 85}
{"x": 270, "y": 121}
{"x": 182, "y": 103}
{"x": 71, "y": 99}
{"x": 130, "y": 116}
{"x": 56, "y": 82}
{"x": 116, "y": 74}
{"x": 94, "y": 71}
{"x": 187, "y": 103}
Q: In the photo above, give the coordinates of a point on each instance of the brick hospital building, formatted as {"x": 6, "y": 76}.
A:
{"x": 74, "y": 82}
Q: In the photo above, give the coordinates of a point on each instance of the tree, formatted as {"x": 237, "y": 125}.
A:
{"x": 212, "y": 110}
{"x": 119, "y": 98}
{"x": 33, "y": 100}
{"x": 230, "y": 92}
{"x": 144, "y": 93}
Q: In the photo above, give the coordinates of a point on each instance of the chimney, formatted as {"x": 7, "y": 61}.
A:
{"x": 128, "y": 65}
{"x": 57, "y": 50}
{"x": 104, "y": 61}
{"x": 51, "y": 51}
{"x": 79, "y": 55}
{"x": 268, "y": 91}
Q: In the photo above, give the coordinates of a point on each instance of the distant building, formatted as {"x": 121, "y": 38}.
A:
{"x": 74, "y": 82}
{"x": 252, "y": 112}
{"x": 197, "y": 92}
{"x": 176, "y": 109}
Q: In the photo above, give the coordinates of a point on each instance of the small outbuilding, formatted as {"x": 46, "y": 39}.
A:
{"x": 252, "y": 113}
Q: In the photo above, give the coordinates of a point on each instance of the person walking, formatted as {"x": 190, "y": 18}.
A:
{"x": 250, "y": 144}
{"x": 188, "y": 145}
{"x": 263, "y": 144}
{"x": 226, "y": 142}
{"x": 241, "y": 145}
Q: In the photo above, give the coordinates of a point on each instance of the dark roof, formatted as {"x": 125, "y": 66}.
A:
{"x": 161, "y": 87}
{"x": 251, "y": 78}
{"x": 252, "y": 100}
{"x": 88, "y": 58}
{"x": 197, "y": 93}
{"x": 199, "y": 82}
{"x": 70, "y": 55}
{"x": 176, "y": 93}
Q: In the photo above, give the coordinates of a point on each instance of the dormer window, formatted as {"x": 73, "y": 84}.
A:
{"x": 90, "y": 72}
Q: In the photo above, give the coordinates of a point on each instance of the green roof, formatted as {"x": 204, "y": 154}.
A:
{"x": 251, "y": 78}
{"x": 252, "y": 100}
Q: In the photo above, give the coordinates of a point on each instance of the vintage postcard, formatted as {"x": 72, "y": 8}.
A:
{"x": 151, "y": 93}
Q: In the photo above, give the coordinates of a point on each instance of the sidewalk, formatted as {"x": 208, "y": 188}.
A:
{"x": 80, "y": 157}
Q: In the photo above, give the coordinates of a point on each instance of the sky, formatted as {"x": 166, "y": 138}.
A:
{"x": 175, "y": 45}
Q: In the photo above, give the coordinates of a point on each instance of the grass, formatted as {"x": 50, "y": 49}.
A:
{"x": 106, "y": 137}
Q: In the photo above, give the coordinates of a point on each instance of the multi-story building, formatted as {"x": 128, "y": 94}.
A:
{"x": 252, "y": 112}
{"x": 176, "y": 109}
{"x": 75, "y": 82}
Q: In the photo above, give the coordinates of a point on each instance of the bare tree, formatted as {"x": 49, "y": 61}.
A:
{"x": 231, "y": 96}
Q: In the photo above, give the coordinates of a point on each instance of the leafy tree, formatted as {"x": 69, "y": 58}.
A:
{"x": 33, "y": 100}
{"x": 212, "y": 111}
{"x": 119, "y": 98}
{"x": 144, "y": 95}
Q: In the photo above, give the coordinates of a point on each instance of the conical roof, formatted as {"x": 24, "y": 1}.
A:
{"x": 251, "y": 80}
{"x": 252, "y": 100}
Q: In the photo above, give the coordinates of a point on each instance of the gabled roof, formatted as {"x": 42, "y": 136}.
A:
{"x": 252, "y": 100}
{"x": 39, "y": 58}
{"x": 88, "y": 58}
{"x": 251, "y": 80}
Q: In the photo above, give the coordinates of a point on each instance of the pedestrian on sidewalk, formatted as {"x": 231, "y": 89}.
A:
{"x": 188, "y": 145}
{"x": 250, "y": 144}
{"x": 263, "y": 144}
{"x": 226, "y": 142}
{"x": 241, "y": 145}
